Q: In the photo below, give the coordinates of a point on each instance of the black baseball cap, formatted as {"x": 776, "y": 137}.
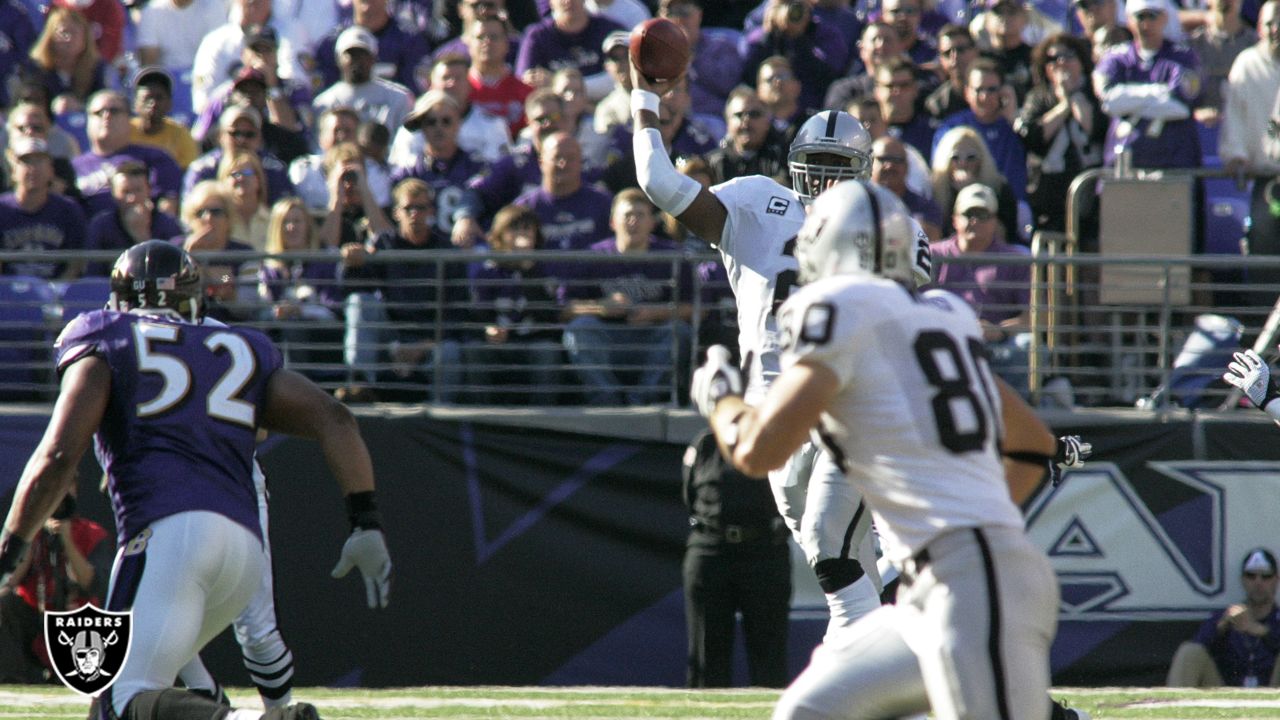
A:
{"x": 153, "y": 75}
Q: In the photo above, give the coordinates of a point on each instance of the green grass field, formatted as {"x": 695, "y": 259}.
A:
{"x": 601, "y": 702}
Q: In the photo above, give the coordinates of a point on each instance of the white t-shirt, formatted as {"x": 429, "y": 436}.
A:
{"x": 177, "y": 32}
{"x": 916, "y": 422}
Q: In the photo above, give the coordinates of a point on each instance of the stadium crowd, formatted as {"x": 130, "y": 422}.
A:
{"x": 485, "y": 126}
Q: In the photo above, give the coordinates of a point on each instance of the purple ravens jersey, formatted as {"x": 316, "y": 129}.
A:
{"x": 181, "y": 424}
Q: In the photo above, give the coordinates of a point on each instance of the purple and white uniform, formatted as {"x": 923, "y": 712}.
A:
{"x": 1149, "y": 97}
{"x": 177, "y": 443}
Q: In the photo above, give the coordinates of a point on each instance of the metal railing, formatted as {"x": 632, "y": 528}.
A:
{"x": 1081, "y": 351}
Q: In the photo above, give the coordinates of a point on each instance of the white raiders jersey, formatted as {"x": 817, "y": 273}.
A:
{"x": 758, "y": 248}
{"x": 916, "y": 423}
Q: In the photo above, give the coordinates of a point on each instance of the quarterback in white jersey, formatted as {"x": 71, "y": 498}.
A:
{"x": 895, "y": 384}
{"x": 753, "y": 221}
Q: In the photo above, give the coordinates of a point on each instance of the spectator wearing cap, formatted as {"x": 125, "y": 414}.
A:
{"x": 716, "y": 67}
{"x": 310, "y": 173}
{"x": 443, "y": 164}
{"x": 285, "y": 105}
{"x": 108, "y": 130}
{"x": 240, "y": 129}
{"x": 494, "y": 87}
{"x": 614, "y": 109}
{"x": 374, "y": 98}
{"x": 28, "y": 118}
{"x": 817, "y": 52}
{"x": 1004, "y": 22}
{"x": 397, "y": 52}
{"x": 991, "y": 110}
{"x": 33, "y": 217}
{"x": 1148, "y": 87}
{"x": 151, "y": 124}
{"x": 170, "y": 31}
{"x": 17, "y": 34}
{"x": 134, "y": 219}
{"x": 1223, "y": 36}
{"x": 571, "y": 37}
{"x": 1237, "y": 646}
{"x": 219, "y": 55}
{"x": 482, "y": 134}
{"x": 999, "y": 293}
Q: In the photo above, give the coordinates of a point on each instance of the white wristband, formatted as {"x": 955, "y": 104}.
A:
{"x": 643, "y": 100}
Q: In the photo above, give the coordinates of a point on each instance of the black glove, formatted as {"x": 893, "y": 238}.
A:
{"x": 1070, "y": 453}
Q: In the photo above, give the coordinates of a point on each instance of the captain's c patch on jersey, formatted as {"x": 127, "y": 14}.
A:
{"x": 777, "y": 206}
{"x": 819, "y": 320}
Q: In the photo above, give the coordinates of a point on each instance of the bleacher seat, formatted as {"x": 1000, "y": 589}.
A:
{"x": 25, "y": 304}
{"x": 83, "y": 295}
{"x": 1226, "y": 216}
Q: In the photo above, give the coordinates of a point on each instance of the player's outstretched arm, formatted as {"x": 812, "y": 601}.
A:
{"x": 1031, "y": 453}
{"x": 680, "y": 195}
{"x": 51, "y": 470}
{"x": 296, "y": 406}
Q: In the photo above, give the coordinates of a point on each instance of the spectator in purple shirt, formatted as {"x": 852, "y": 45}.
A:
{"x": 517, "y": 304}
{"x": 897, "y": 90}
{"x": 716, "y": 67}
{"x": 905, "y": 17}
{"x": 1148, "y": 88}
{"x": 1000, "y": 294}
{"x": 817, "y": 52}
{"x": 443, "y": 165}
{"x": 571, "y": 37}
{"x": 108, "y": 130}
{"x": 627, "y": 325}
{"x": 400, "y": 51}
{"x": 240, "y": 129}
{"x": 992, "y": 108}
{"x": 134, "y": 219}
{"x": 17, "y": 33}
{"x": 34, "y": 218}
{"x": 573, "y": 215}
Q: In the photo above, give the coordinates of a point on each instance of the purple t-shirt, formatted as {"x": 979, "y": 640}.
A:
{"x": 1178, "y": 68}
{"x": 995, "y": 292}
{"x": 205, "y": 167}
{"x": 58, "y": 225}
{"x": 510, "y": 177}
{"x": 640, "y": 282}
{"x": 447, "y": 178}
{"x": 107, "y": 232}
{"x": 173, "y": 442}
{"x": 546, "y": 46}
{"x": 94, "y": 171}
{"x": 714, "y": 72}
{"x": 574, "y": 222}
{"x": 17, "y": 33}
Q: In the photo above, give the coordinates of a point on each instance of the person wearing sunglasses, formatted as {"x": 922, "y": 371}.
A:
{"x": 956, "y": 50}
{"x": 1061, "y": 124}
{"x": 240, "y": 129}
{"x": 442, "y": 164}
{"x": 1237, "y": 646}
{"x": 962, "y": 159}
{"x": 752, "y": 146}
{"x": 1147, "y": 88}
{"x": 108, "y": 130}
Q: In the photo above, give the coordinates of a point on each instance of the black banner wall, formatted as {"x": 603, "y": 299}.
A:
{"x": 530, "y": 556}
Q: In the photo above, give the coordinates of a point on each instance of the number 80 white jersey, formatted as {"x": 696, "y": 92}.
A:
{"x": 916, "y": 422}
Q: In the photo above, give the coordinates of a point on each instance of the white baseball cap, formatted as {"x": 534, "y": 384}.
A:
{"x": 976, "y": 195}
{"x": 356, "y": 37}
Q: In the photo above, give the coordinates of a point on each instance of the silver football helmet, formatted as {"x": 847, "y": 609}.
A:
{"x": 857, "y": 227}
{"x": 829, "y": 132}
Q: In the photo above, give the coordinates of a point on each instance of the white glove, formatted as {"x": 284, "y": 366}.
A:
{"x": 367, "y": 550}
{"x": 717, "y": 378}
{"x": 1251, "y": 375}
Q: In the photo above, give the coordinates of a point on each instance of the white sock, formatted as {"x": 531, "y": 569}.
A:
{"x": 850, "y": 603}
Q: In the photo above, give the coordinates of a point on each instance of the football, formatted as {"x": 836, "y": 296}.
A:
{"x": 660, "y": 49}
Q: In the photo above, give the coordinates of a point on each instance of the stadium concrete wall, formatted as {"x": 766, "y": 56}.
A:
{"x": 544, "y": 548}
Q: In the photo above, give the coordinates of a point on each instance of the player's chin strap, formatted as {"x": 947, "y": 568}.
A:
{"x": 666, "y": 187}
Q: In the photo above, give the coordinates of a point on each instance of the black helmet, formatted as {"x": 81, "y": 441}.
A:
{"x": 160, "y": 276}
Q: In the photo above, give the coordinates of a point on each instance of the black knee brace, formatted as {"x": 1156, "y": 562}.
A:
{"x": 835, "y": 574}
